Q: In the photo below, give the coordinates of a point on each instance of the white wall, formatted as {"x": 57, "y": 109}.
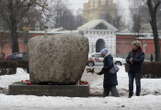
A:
{"x": 108, "y": 36}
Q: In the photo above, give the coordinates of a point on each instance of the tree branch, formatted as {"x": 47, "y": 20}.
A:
{"x": 156, "y": 6}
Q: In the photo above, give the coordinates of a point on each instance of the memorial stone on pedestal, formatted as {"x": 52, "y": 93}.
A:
{"x": 56, "y": 64}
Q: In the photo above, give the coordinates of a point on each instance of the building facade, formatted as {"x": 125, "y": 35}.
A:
{"x": 100, "y": 34}
{"x": 123, "y": 43}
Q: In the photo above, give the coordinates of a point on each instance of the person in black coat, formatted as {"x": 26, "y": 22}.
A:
{"x": 135, "y": 61}
{"x": 110, "y": 80}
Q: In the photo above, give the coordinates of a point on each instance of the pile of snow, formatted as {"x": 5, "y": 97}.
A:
{"x": 7, "y": 80}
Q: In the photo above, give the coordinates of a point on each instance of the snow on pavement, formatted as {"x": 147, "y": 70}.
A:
{"x": 150, "y": 87}
{"x": 148, "y": 102}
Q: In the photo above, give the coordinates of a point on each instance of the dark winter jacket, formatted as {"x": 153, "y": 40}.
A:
{"x": 137, "y": 61}
{"x": 109, "y": 79}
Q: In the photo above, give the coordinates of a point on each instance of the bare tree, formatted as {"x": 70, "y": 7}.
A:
{"x": 33, "y": 18}
{"x": 79, "y": 20}
{"x": 2, "y": 40}
{"x": 60, "y": 15}
{"x": 136, "y": 23}
{"x": 142, "y": 11}
{"x": 116, "y": 21}
{"x": 153, "y": 6}
{"x": 15, "y": 13}
{"x": 137, "y": 12}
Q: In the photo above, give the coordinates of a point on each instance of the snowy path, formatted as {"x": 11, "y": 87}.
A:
{"x": 63, "y": 103}
{"x": 150, "y": 99}
{"x": 149, "y": 86}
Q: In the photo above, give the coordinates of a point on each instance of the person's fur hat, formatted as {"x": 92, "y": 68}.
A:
{"x": 136, "y": 43}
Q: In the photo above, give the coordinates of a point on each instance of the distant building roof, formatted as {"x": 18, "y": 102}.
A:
{"x": 97, "y": 24}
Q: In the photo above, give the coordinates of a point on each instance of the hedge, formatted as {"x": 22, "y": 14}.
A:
{"x": 150, "y": 69}
{"x": 8, "y": 67}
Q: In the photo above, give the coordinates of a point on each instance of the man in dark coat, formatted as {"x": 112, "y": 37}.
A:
{"x": 135, "y": 61}
{"x": 110, "y": 80}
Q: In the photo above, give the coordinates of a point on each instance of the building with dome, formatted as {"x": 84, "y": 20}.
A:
{"x": 98, "y": 9}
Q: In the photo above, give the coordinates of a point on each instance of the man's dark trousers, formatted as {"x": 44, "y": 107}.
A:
{"x": 137, "y": 78}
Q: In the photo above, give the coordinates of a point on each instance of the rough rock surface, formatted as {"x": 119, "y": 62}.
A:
{"x": 57, "y": 59}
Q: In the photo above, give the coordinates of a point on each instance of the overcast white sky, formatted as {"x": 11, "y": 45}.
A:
{"x": 76, "y": 4}
{"x": 123, "y": 6}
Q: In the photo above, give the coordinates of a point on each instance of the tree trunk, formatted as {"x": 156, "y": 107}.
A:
{"x": 153, "y": 22}
{"x": 13, "y": 29}
{"x": 14, "y": 39}
{"x": 156, "y": 39}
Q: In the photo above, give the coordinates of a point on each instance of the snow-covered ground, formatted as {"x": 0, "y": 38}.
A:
{"x": 6, "y": 80}
{"x": 149, "y": 86}
{"x": 150, "y": 99}
{"x": 65, "y": 103}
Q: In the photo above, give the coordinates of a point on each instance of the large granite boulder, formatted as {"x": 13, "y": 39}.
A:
{"x": 58, "y": 58}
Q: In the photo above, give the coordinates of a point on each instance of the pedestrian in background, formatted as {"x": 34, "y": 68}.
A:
{"x": 151, "y": 58}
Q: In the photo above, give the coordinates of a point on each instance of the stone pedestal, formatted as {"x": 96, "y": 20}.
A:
{"x": 50, "y": 90}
